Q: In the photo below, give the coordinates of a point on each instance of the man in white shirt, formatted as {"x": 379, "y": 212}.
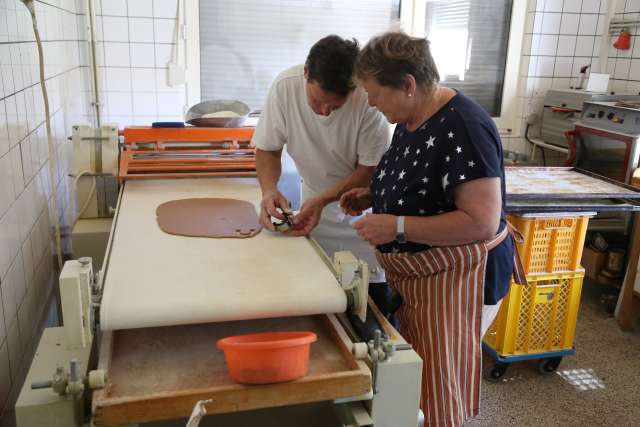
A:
{"x": 335, "y": 140}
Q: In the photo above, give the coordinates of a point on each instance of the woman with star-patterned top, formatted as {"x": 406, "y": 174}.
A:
{"x": 438, "y": 219}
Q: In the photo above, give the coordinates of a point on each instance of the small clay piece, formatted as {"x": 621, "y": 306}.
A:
{"x": 208, "y": 217}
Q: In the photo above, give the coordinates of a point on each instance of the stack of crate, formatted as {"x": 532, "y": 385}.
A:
{"x": 539, "y": 321}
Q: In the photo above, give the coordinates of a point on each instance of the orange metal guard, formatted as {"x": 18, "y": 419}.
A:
{"x": 151, "y": 153}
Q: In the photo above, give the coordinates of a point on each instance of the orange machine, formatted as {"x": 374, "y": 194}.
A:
{"x": 186, "y": 152}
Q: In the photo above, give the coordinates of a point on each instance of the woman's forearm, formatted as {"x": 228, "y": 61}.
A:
{"x": 448, "y": 229}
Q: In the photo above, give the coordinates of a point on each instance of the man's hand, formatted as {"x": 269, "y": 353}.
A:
{"x": 308, "y": 217}
{"x": 377, "y": 229}
{"x": 354, "y": 201}
{"x": 271, "y": 201}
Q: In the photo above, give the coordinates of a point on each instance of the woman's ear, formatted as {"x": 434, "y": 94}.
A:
{"x": 410, "y": 85}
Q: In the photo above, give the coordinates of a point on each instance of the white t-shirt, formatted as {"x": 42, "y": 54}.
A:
{"x": 324, "y": 149}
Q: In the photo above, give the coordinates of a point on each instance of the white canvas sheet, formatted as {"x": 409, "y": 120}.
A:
{"x": 157, "y": 279}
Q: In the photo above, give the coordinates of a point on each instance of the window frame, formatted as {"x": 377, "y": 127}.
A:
{"x": 412, "y": 21}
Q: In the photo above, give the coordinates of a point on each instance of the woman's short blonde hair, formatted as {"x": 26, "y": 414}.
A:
{"x": 390, "y": 57}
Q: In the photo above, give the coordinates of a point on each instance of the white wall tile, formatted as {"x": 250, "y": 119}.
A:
{"x": 563, "y": 67}
{"x": 141, "y": 29}
{"x": 634, "y": 71}
{"x": 144, "y": 79}
{"x": 548, "y": 44}
{"x": 28, "y": 261}
{"x": 545, "y": 66}
{"x": 3, "y": 335}
{"x": 16, "y": 165}
{"x": 16, "y": 273}
{"x": 569, "y": 23}
{"x": 145, "y": 104}
{"x": 142, "y": 55}
{"x": 588, "y": 24}
{"x": 584, "y": 45}
{"x": 566, "y": 45}
{"x": 636, "y": 48}
{"x": 560, "y": 83}
{"x": 27, "y": 163}
{"x": 572, "y": 6}
{"x": 8, "y": 288}
{"x": 537, "y": 22}
{"x": 5, "y": 371}
{"x": 119, "y": 103}
{"x": 15, "y": 347}
{"x": 118, "y": 79}
{"x": 116, "y": 29}
{"x": 117, "y": 54}
{"x": 4, "y": 130}
{"x": 165, "y": 8}
{"x": 551, "y": 23}
{"x": 170, "y": 104}
{"x": 618, "y": 86}
{"x": 164, "y": 30}
{"x": 13, "y": 122}
{"x": 633, "y": 87}
{"x": 593, "y": 6}
{"x": 622, "y": 68}
{"x": 602, "y": 20}
{"x": 553, "y": 6}
{"x": 7, "y": 241}
{"x": 611, "y": 66}
{"x": 7, "y": 194}
{"x": 163, "y": 54}
{"x": 141, "y": 8}
{"x": 115, "y": 7}
{"x": 533, "y": 66}
{"x": 632, "y": 6}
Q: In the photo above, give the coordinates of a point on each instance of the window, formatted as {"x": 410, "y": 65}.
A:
{"x": 245, "y": 44}
{"x": 236, "y": 48}
{"x": 469, "y": 41}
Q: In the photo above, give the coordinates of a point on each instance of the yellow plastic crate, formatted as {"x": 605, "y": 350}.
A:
{"x": 551, "y": 245}
{"x": 538, "y": 318}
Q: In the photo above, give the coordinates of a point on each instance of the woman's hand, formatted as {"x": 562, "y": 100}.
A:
{"x": 354, "y": 201}
{"x": 308, "y": 217}
{"x": 377, "y": 229}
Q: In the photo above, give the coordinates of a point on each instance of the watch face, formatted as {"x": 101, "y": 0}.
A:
{"x": 401, "y": 238}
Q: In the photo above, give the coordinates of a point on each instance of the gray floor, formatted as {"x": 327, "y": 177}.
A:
{"x": 526, "y": 398}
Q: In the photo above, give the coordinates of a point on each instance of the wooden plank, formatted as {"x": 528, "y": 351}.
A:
{"x": 159, "y": 373}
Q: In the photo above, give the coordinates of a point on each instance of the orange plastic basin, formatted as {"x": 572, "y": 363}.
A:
{"x": 269, "y": 357}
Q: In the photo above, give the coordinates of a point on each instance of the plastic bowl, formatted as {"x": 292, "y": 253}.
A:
{"x": 270, "y": 357}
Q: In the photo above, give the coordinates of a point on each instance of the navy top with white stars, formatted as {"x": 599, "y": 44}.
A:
{"x": 420, "y": 170}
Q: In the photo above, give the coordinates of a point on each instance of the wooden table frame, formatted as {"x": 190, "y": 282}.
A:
{"x": 133, "y": 397}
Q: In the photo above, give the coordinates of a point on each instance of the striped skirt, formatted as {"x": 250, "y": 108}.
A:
{"x": 442, "y": 291}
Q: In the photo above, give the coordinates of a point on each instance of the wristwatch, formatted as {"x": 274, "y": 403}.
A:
{"x": 401, "y": 237}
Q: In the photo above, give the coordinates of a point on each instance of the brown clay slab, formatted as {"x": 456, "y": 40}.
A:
{"x": 208, "y": 217}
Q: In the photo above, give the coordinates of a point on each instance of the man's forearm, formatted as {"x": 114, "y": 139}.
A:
{"x": 268, "y": 168}
{"x": 358, "y": 178}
